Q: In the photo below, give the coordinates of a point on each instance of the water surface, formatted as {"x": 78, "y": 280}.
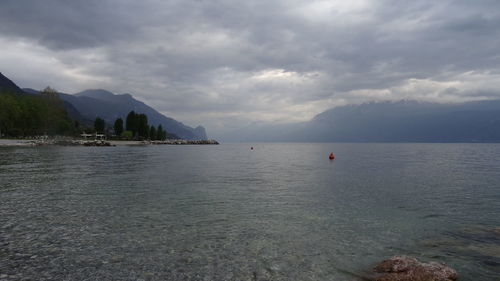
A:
{"x": 278, "y": 212}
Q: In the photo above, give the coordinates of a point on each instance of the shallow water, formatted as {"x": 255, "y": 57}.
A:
{"x": 278, "y": 212}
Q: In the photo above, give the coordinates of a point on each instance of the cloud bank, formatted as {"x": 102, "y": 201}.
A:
{"x": 226, "y": 64}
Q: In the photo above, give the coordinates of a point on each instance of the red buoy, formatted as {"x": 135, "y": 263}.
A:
{"x": 332, "y": 156}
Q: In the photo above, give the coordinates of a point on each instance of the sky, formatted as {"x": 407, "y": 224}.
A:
{"x": 226, "y": 64}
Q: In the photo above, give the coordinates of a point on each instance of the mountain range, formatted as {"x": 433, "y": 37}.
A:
{"x": 85, "y": 106}
{"x": 390, "y": 121}
{"x": 401, "y": 121}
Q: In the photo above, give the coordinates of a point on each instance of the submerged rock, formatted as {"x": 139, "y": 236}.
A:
{"x": 403, "y": 268}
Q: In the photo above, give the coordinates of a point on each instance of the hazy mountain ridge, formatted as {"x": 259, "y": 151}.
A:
{"x": 402, "y": 121}
{"x": 108, "y": 106}
{"x": 410, "y": 121}
{"x": 112, "y": 106}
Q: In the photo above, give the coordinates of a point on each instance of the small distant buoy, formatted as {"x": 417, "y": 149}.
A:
{"x": 251, "y": 147}
{"x": 332, "y": 156}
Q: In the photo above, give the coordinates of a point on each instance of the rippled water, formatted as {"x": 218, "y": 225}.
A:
{"x": 278, "y": 212}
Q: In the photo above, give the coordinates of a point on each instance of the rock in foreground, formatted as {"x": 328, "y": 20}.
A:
{"x": 402, "y": 268}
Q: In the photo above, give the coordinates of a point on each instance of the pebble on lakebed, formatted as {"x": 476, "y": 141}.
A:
{"x": 403, "y": 268}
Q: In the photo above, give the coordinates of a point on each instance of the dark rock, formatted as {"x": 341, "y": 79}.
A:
{"x": 403, "y": 268}
{"x": 96, "y": 143}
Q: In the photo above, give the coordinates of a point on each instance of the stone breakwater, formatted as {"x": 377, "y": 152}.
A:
{"x": 73, "y": 142}
{"x": 185, "y": 142}
{"x": 70, "y": 142}
{"x": 115, "y": 143}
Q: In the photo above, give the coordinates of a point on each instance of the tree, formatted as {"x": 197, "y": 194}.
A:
{"x": 131, "y": 122}
{"x": 142, "y": 125}
{"x": 9, "y": 113}
{"x": 118, "y": 127}
{"x": 50, "y": 93}
{"x": 128, "y": 135}
{"x": 30, "y": 115}
{"x": 99, "y": 125}
{"x": 152, "y": 133}
{"x": 160, "y": 133}
{"x": 54, "y": 117}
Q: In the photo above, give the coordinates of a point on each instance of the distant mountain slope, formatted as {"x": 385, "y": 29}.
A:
{"x": 7, "y": 85}
{"x": 89, "y": 104}
{"x": 403, "y": 121}
{"x": 106, "y": 105}
{"x": 408, "y": 121}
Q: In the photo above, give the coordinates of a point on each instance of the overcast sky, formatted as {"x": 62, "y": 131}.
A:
{"x": 226, "y": 63}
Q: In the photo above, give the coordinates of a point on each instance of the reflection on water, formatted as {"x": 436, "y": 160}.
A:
{"x": 278, "y": 212}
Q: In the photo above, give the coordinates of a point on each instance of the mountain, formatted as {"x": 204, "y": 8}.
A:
{"x": 7, "y": 85}
{"x": 403, "y": 121}
{"x": 89, "y": 104}
{"x": 108, "y": 106}
{"x": 409, "y": 121}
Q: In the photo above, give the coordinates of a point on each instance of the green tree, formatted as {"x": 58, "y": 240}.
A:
{"x": 142, "y": 125}
{"x": 118, "y": 127}
{"x": 54, "y": 117}
{"x": 152, "y": 133}
{"x": 127, "y": 135}
{"x": 160, "y": 133}
{"x": 50, "y": 93}
{"x": 28, "y": 115}
{"x": 132, "y": 123}
{"x": 9, "y": 112}
{"x": 99, "y": 125}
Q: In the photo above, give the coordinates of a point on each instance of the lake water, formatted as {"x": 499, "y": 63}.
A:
{"x": 278, "y": 212}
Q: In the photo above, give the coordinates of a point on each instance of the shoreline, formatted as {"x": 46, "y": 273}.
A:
{"x": 80, "y": 142}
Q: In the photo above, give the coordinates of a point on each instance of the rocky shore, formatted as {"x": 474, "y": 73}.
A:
{"x": 75, "y": 142}
{"x": 185, "y": 142}
{"x": 404, "y": 268}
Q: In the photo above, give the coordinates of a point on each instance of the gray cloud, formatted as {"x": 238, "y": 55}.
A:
{"x": 226, "y": 63}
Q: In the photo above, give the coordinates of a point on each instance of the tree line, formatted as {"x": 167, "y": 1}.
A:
{"x": 28, "y": 115}
{"x": 136, "y": 127}
{"x": 25, "y": 115}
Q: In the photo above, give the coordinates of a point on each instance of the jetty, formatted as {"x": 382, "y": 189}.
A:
{"x": 92, "y": 140}
{"x": 181, "y": 142}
